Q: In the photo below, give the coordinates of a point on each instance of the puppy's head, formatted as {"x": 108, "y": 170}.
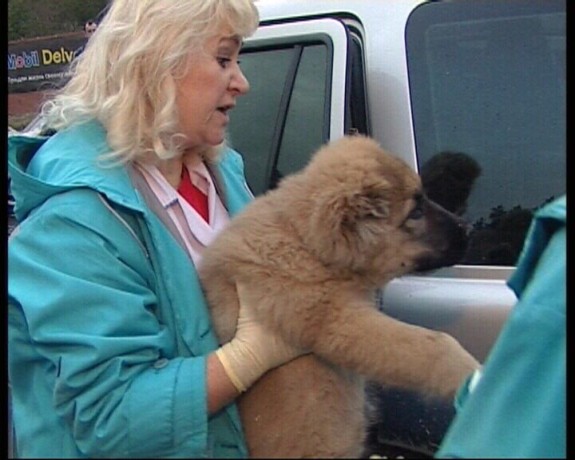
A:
{"x": 369, "y": 214}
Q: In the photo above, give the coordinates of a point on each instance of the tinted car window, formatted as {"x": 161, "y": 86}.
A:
{"x": 306, "y": 124}
{"x": 488, "y": 102}
{"x": 284, "y": 117}
{"x": 253, "y": 124}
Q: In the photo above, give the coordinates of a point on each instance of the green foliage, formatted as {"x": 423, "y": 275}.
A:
{"x": 17, "y": 19}
{"x": 34, "y": 18}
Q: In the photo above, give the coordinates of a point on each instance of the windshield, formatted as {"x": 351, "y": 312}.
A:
{"x": 488, "y": 95}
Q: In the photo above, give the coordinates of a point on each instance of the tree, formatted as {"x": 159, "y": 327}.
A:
{"x": 31, "y": 18}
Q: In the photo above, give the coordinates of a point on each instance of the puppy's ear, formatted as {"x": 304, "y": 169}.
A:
{"x": 346, "y": 224}
{"x": 369, "y": 203}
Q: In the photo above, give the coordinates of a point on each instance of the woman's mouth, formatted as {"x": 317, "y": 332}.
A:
{"x": 225, "y": 108}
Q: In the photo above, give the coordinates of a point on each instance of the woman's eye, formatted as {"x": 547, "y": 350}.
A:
{"x": 223, "y": 62}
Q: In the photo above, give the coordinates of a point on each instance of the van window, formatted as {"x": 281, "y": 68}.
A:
{"x": 306, "y": 113}
{"x": 489, "y": 106}
{"x": 285, "y": 116}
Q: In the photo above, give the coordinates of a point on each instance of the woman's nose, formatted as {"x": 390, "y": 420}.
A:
{"x": 239, "y": 82}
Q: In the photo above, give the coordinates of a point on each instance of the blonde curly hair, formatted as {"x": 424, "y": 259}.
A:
{"x": 126, "y": 76}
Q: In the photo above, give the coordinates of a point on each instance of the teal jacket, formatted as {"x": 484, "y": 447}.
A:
{"x": 108, "y": 334}
{"x": 518, "y": 407}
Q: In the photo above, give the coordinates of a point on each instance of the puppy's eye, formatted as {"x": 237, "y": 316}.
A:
{"x": 416, "y": 213}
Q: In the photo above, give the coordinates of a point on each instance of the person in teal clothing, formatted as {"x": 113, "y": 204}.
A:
{"x": 111, "y": 350}
{"x": 515, "y": 407}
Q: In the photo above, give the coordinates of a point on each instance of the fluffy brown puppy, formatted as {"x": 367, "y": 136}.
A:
{"x": 311, "y": 255}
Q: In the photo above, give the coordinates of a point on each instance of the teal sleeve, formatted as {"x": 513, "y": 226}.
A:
{"x": 89, "y": 314}
{"x": 518, "y": 408}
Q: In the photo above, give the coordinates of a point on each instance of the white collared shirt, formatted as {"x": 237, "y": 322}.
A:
{"x": 194, "y": 230}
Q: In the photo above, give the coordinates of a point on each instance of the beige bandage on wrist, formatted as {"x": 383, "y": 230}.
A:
{"x": 241, "y": 364}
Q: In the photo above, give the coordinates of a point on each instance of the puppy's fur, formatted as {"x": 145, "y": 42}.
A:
{"x": 311, "y": 255}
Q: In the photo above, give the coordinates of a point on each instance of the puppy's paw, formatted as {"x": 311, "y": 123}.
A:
{"x": 453, "y": 366}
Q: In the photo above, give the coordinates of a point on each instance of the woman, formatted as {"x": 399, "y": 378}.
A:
{"x": 112, "y": 353}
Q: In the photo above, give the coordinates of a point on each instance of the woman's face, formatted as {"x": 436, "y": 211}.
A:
{"x": 209, "y": 90}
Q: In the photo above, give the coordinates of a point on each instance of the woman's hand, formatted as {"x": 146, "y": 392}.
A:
{"x": 254, "y": 350}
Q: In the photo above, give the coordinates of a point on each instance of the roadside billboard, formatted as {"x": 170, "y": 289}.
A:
{"x": 41, "y": 63}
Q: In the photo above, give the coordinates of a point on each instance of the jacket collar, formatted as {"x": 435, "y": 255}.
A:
{"x": 42, "y": 166}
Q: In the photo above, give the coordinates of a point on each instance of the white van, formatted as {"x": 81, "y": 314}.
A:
{"x": 480, "y": 80}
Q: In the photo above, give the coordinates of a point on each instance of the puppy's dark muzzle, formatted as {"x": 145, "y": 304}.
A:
{"x": 447, "y": 237}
